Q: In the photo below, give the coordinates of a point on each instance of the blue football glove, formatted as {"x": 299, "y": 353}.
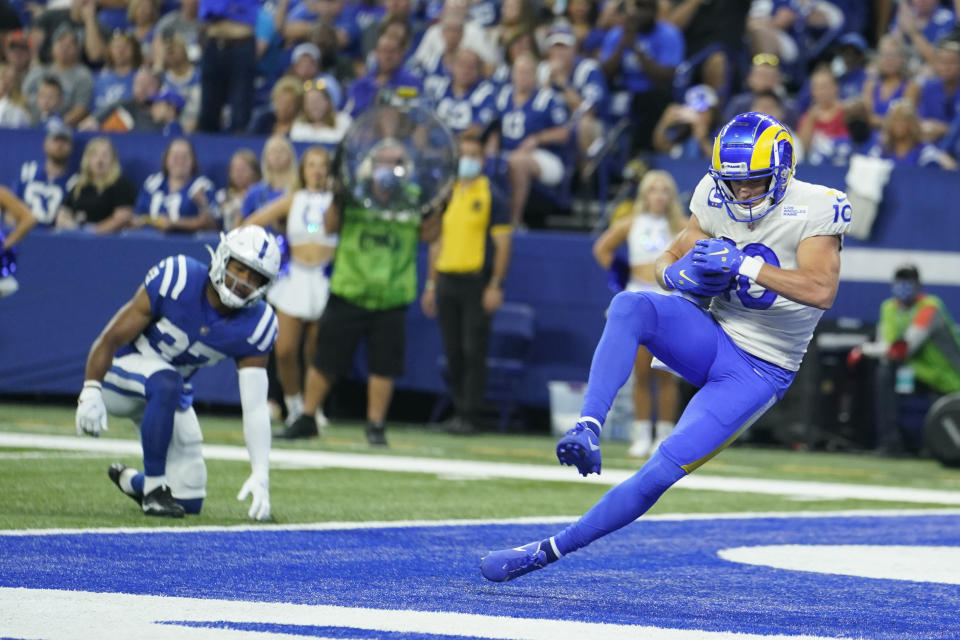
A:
{"x": 580, "y": 448}
{"x": 688, "y": 276}
{"x": 713, "y": 255}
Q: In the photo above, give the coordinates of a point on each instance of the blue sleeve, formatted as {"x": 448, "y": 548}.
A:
{"x": 930, "y": 106}
{"x": 166, "y": 280}
{"x": 671, "y": 45}
{"x": 264, "y": 28}
{"x": 610, "y": 42}
{"x": 595, "y": 89}
{"x": 142, "y": 204}
{"x": 258, "y": 330}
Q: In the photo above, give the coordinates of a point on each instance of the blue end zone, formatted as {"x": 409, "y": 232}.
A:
{"x": 662, "y": 573}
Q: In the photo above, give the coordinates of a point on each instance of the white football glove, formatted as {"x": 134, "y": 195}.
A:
{"x": 91, "y": 412}
{"x": 258, "y": 486}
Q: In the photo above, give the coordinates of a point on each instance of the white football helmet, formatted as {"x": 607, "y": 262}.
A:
{"x": 254, "y": 247}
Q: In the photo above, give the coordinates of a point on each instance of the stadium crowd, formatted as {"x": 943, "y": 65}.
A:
{"x": 552, "y": 85}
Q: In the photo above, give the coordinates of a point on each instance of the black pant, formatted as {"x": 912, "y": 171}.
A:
{"x": 227, "y": 72}
{"x": 465, "y": 328}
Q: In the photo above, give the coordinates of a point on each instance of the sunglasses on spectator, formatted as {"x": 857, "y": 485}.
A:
{"x": 318, "y": 84}
{"x": 768, "y": 59}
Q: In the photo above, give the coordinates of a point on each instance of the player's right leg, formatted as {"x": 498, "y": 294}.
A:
{"x": 150, "y": 389}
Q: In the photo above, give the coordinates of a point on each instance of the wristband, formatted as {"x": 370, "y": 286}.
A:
{"x": 92, "y": 383}
{"x": 750, "y": 267}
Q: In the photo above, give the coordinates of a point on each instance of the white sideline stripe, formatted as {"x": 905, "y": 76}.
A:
{"x": 877, "y": 265}
{"x": 475, "y": 469}
{"x": 471, "y": 522}
{"x": 81, "y": 615}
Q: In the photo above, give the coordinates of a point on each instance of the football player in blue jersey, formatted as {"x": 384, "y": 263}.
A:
{"x": 44, "y": 185}
{"x": 183, "y": 317}
{"x": 757, "y": 263}
{"x": 177, "y": 198}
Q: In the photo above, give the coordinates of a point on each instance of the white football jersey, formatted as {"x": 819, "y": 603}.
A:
{"x": 759, "y": 321}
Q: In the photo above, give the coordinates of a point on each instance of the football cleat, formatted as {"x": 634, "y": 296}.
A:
{"x": 160, "y": 502}
{"x": 507, "y": 564}
{"x": 303, "y": 427}
{"x": 376, "y": 435}
{"x": 580, "y": 448}
{"x": 114, "y": 471}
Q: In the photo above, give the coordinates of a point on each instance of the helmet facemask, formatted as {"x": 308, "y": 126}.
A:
{"x": 250, "y": 246}
{"x": 752, "y": 146}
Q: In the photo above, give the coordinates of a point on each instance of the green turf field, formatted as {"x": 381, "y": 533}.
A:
{"x": 60, "y": 488}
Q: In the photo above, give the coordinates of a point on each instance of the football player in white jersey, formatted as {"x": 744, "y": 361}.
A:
{"x": 183, "y": 317}
{"x": 758, "y": 262}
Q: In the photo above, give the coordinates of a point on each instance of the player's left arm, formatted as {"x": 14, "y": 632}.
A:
{"x": 252, "y": 376}
{"x": 815, "y": 280}
{"x": 20, "y": 212}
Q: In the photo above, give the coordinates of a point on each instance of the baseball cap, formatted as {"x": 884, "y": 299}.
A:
{"x": 168, "y": 95}
{"x": 853, "y": 39}
{"x": 307, "y": 48}
{"x": 561, "y": 33}
{"x": 57, "y": 129}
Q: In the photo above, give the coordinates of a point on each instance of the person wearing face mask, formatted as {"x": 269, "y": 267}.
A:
{"x": 918, "y": 347}
{"x": 465, "y": 283}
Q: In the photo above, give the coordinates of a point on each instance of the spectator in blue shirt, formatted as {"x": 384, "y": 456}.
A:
{"x": 304, "y": 14}
{"x": 465, "y": 100}
{"x": 43, "y": 184}
{"x": 939, "y": 102}
{"x": 177, "y": 198}
{"x": 579, "y": 81}
{"x": 533, "y": 132}
{"x": 640, "y": 57}
{"x": 114, "y": 82}
{"x": 901, "y": 141}
{"x": 891, "y": 80}
{"x": 228, "y": 66}
{"x": 389, "y": 74}
{"x": 305, "y": 66}
{"x": 923, "y": 23}
{"x": 848, "y": 67}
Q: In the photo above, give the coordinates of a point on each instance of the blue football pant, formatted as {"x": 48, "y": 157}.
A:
{"x": 736, "y": 389}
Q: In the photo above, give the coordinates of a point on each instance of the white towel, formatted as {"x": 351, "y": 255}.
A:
{"x": 866, "y": 179}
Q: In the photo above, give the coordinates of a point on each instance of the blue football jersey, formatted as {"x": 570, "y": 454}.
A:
{"x": 543, "y": 110}
{"x": 43, "y": 195}
{"x": 187, "y": 331}
{"x": 474, "y": 108}
{"x": 156, "y": 199}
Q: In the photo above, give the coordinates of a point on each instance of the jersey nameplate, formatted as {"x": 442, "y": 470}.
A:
{"x": 793, "y": 211}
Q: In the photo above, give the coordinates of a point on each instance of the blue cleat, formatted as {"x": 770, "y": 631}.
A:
{"x": 580, "y": 448}
{"x": 507, "y": 564}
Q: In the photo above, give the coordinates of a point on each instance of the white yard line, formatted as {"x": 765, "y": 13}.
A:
{"x": 82, "y": 615}
{"x": 475, "y": 469}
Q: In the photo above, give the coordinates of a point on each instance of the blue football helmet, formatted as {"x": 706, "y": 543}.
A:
{"x": 752, "y": 145}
